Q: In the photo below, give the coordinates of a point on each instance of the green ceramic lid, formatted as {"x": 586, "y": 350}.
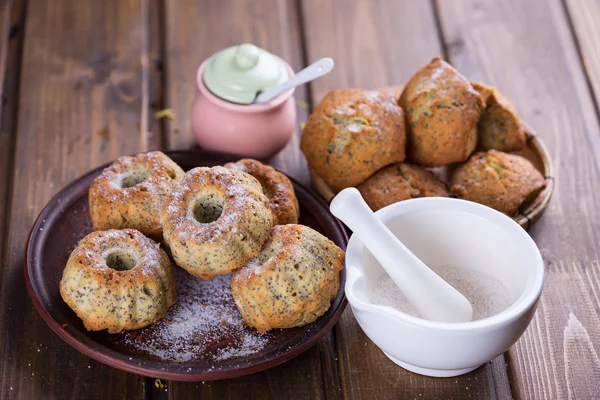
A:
{"x": 238, "y": 73}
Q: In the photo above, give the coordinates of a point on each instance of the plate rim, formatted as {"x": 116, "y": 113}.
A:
{"x": 191, "y": 376}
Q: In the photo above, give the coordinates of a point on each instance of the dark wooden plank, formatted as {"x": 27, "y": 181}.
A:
{"x": 156, "y": 88}
{"x": 380, "y": 44}
{"x": 11, "y": 39}
{"x": 6, "y": 22}
{"x": 83, "y": 101}
{"x": 194, "y": 30}
{"x": 584, "y": 16}
{"x": 304, "y": 377}
{"x": 374, "y": 44}
{"x": 527, "y": 50}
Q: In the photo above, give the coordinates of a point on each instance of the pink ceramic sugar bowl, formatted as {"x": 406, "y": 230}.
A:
{"x": 223, "y": 117}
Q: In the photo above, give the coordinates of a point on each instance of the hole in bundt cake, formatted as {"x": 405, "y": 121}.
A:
{"x": 208, "y": 208}
{"x": 133, "y": 176}
{"x": 121, "y": 260}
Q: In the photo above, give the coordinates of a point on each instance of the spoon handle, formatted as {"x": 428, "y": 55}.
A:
{"x": 312, "y": 72}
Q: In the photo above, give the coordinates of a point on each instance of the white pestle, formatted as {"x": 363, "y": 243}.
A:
{"x": 431, "y": 296}
{"x": 310, "y": 73}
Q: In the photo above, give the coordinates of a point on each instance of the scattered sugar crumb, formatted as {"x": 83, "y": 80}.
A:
{"x": 203, "y": 323}
{"x": 250, "y": 344}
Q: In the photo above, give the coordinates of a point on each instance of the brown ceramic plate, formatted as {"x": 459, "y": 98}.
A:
{"x": 64, "y": 221}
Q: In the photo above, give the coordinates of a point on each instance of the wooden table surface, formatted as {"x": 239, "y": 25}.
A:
{"x": 81, "y": 80}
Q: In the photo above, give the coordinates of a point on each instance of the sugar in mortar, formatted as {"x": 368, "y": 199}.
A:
{"x": 487, "y": 295}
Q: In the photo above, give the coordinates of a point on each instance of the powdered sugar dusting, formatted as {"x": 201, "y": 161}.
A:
{"x": 239, "y": 192}
{"x": 248, "y": 346}
{"x": 204, "y": 323}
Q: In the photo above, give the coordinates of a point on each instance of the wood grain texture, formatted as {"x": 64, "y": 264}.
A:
{"x": 584, "y": 16}
{"x": 83, "y": 91}
{"x": 273, "y": 25}
{"x": 558, "y": 357}
{"x": 308, "y": 376}
{"x": 12, "y": 15}
{"x": 375, "y": 44}
{"x": 270, "y": 24}
{"x": 527, "y": 50}
{"x": 11, "y": 38}
{"x": 6, "y": 22}
{"x": 380, "y": 44}
{"x": 155, "y": 67}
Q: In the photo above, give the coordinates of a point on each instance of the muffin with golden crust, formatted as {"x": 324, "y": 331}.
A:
{"x": 399, "y": 182}
{"x": 118, "y": 280}
{"x": 498, "y": 180}
{"x": 442, "y": 110}
{"x": 215, "y": 220}
{"x": 351, "y": 134}
{"x": 276, "y": 186}
{"x": 499, "y": 127}
{"x": 292, "y": 282}
{"x": 130, "y": 192}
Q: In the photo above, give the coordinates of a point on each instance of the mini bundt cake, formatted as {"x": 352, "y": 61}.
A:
{"x": 292, "y": 282}
{"x": 399, "y": 182}
{"x": 442, "y": 110}
{"x": 130, "y": 192}
{"x": 498, "y": 180}
{"x": 118, "y": 279}
{"x": 351, "y": 134}
{"x": 499, "y": 127}
{"x": 215, "y": 220}
{"x": 276, "y": 186}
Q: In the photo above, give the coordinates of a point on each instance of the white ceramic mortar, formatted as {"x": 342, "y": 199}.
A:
{"x": 445, "y": 231}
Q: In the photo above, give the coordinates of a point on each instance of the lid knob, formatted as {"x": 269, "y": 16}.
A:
{"x": 246, "y": 56}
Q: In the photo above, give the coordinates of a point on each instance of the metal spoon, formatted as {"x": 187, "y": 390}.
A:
{"x": 310, "y": 73}
{"x": 431, "y": 296}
